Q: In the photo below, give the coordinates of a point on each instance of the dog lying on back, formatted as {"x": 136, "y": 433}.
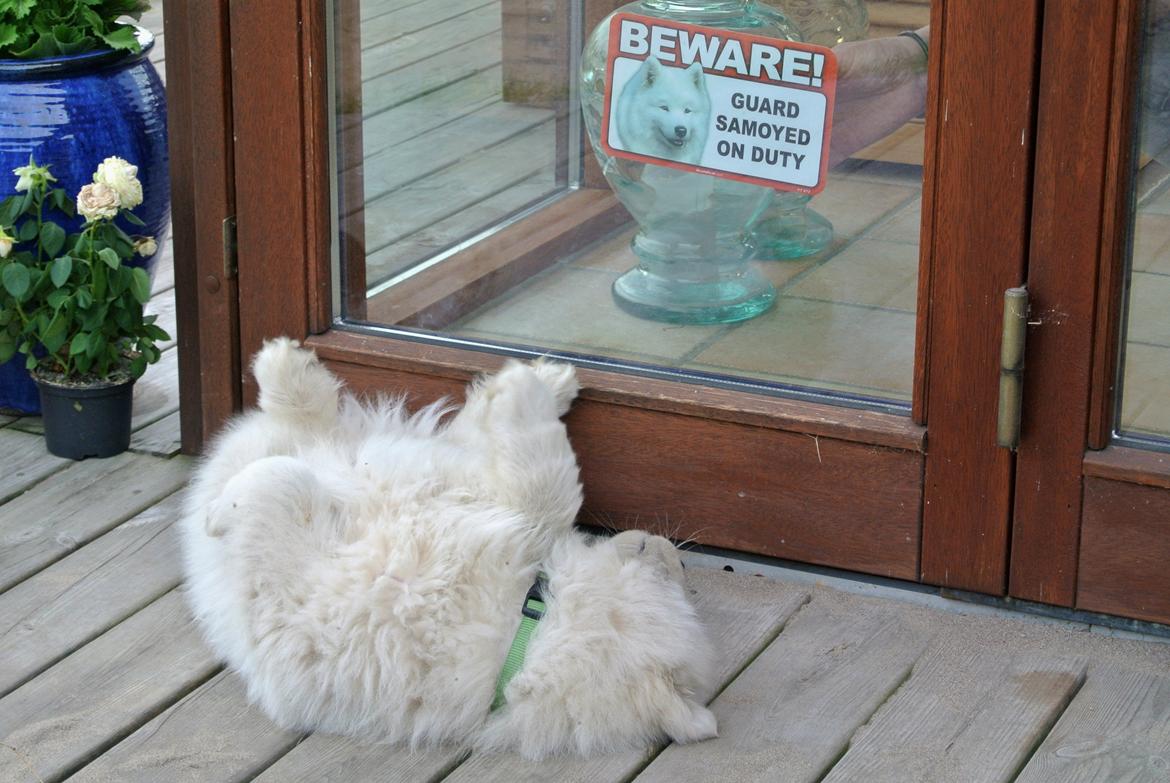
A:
{"x": 363, "y": 571}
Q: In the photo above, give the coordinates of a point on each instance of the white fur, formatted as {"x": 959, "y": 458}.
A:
{"x": 363, "y": 571}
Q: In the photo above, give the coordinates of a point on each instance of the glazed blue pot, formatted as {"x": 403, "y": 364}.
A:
{"x": 71, "y": 113}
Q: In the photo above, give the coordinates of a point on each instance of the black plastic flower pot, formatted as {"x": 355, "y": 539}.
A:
{"x": 86, "y": 421}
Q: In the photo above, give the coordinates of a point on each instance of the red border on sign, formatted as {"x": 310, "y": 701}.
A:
{"x": 829, "y": 90}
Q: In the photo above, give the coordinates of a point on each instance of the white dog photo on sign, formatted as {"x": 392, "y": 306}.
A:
{"x": 665, "y": 112}
{"x": 364, "y": 571}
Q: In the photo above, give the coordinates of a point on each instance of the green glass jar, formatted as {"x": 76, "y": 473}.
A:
{"x": 693, "y": 233}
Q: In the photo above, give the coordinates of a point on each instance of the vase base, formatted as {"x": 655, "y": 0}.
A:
{"x": 650, "y": 296}
{"x": 795, "y": 234}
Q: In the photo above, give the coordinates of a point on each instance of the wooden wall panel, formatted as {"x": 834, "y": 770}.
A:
{"x": 753, "y": 489}
{"x": 1125, "y": 546}
{"x": 982, "y": 196}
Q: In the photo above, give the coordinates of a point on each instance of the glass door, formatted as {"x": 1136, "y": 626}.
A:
{"x": 453, "y": 210}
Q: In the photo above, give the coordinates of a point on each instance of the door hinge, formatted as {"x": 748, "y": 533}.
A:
{"x": 1011, "y": 366}
{"x": 230, "y": 251}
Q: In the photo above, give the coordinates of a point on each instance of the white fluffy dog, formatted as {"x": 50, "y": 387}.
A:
{"x": 363, "y": 570}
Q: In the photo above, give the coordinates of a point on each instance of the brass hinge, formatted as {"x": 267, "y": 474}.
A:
{"x": 1011, "y": 366}
{"x": 230, "y": 251}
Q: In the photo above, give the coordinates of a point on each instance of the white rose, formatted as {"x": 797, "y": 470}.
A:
{"x": 98, "y": 201}
{"x": 29, "y": 175}
{"x": 145, "y": 246}
{"x": 122, "y": 177}
{"x": 5, "y": 243}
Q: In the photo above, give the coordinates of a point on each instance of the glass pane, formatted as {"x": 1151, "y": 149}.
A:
{"x": 472, "y": 202}
{"x": 1145, "y": 399}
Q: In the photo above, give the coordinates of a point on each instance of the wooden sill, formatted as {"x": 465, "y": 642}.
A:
{"x": 1133, "y": 466}
{"x": 758, "y": 410}
{"x": 438, "y": 296}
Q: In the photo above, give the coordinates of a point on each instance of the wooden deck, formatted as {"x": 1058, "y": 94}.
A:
{"x": 103, "y": 677}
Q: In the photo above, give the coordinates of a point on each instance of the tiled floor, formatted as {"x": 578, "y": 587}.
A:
{"x": 1145, "y": 399}
{"x": 844, "y": 320}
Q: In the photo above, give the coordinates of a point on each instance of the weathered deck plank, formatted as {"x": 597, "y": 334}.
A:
{"x": 1117, "y": 730}
{"x": 77, "y": 598}
{"x": 392, "y": 259}
{"x": 162, "y": 439}
{"x": 382, "y": 57}
{"x": 940, "y": 723}
{"x": 24, "y": 461}
{"x": 742, "y": 615}
{"x": 790, "y": 714}
{"x": 212, "y": 735}
{"x": 422, "y": 156}
{"x": 56, "y": 722}
{"x": 162, "y": 305}
{"x": 415, "y": 206}
{"x": 321, "y": 758}
{"x": 422, "y": 115}
{"x": 81, "y": 503}
{"x": 415, "y": 17}
{"x": 419, "y": 78}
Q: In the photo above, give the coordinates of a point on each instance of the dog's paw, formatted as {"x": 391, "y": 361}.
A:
{"x": 293, "y": 381}
{"x": 561, "y": 379}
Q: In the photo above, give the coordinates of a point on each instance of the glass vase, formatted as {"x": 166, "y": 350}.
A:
{"x": 692, "y": 241}
{"x": 790, "y": 228}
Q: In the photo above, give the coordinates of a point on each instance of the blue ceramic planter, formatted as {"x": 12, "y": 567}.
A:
{"x": 71, "y": 113}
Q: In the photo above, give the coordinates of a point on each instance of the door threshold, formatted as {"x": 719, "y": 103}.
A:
{"x": 945, "y": 599}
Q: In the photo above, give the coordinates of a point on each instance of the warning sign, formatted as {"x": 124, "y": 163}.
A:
{"x": 719, "y": 102}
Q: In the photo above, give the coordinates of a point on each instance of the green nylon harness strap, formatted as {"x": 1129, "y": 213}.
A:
{"x": 533, "y": 610}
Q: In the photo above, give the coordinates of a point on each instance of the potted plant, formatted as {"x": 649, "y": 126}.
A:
{"x": 72, "y": 305}
{"x": 76, "y": 86}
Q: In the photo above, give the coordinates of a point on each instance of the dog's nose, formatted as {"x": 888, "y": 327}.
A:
{"x": 680, "y": 131}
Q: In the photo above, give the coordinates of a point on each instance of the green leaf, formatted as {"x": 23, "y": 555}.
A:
{"x": 97, "y": 344}
{"x": 140, "y": 285}
{"x": 111, "y": 258}
{"x": 79, "y": 343}
{"x": 60, "y": 270}
{"x": 18, "y": 8}
{"x": 62, "y": 201}
{"x": 121, "y": 38}
{"x": 138, "y": 366}
{"x": 7, "y": 346}
{"x": 8, "y": 36}
{"x": 27, "y": 231}
{"x": 52, "y": 239}
{"x": 15, "y": 279}
{"x": 156, "y": 332}
{"x": 10, "y": 210}
{"x": 84, "y": 298}
{"x": 57, "y": 299}
{"x": 54, "y": 337}
{"x": 132, "y": 218}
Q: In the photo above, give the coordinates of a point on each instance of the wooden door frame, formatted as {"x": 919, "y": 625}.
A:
{"x": 202, "y": 198}
{"x": 864, "y": 510}
{"x": 1092, "y": 524}
{"x": 1075, "y": 280}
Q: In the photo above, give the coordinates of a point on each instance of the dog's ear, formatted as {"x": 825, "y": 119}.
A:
{"x": 695, "y": 73}
{"x": 651, "y": 70}
{"x": 690, "y": 722}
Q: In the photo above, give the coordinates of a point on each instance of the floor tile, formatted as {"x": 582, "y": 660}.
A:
{"x": 904, "y": 226}
{"x": 1149, "y": 318}
{"x": 1151, "y": 243}
{"x": 1145, "y": 404}
{"x": 868, "y": 272}
{"x": 834, "y": 344}
{"x": 574, "y": 307}
{"x": 853, "y": 205}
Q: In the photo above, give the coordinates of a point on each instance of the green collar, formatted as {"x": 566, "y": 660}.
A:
{"x": 532, "y": 612}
